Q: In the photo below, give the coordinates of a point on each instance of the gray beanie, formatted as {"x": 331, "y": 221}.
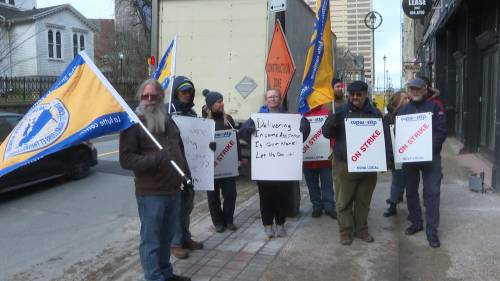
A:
{"x": 211, "y": 97}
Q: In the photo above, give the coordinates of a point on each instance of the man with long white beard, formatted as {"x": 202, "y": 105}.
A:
{"x": 157, "y": 183}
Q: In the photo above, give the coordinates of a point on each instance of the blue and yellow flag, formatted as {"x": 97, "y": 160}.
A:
{"x": 318, "y": 72}
{"x": 166, "y": 69}
{"x": 81, "y": 105}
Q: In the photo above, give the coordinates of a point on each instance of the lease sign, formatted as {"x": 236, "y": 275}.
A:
{"x": 413, "y": 138}
{"x": 365, "y": 145}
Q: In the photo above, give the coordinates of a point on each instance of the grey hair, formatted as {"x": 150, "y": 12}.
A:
{"x": 152, "y": 82}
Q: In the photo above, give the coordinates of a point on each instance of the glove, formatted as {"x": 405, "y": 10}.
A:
{"x": 213, "y": 146}
{"x": 162, "y": 157}
{"x": 188, "y": 192}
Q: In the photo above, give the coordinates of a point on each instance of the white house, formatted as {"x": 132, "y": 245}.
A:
{"x": 41, "y": 42}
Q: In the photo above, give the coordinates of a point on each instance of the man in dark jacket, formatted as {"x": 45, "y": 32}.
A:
{"x": 354, "y": 190}
{"x": 183, "y": 92}
{"x": 431, "y": 171}
{"x": 157, "y": 183}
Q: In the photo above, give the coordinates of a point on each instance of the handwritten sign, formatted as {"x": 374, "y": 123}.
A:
{"x": 365, "y": 145}
{"x": 196, "y": 134}
{"x": 276, "y": 147}
{"x": 397, "y": 165}
{"x": 226, "y": 154}
{"x": 413, "y": 138}
{"x": 316, "y": 147}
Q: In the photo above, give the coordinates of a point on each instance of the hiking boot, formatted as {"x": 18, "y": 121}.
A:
{"x": 365, "y": 236}
{"x": 231, "y": 227}
{"x": 193, "y": 245}
{"x": 391, "y": 211}
{"x": 433, "y": 241}
{"x": 345, "y": 238}
{"x": 179, "y": 252}
{"x": 316, "y": 213}
{"x": 268, "y": 229}
{"x": 414, "y": 228}
{"x": 331, "y": 214}
{"x": 280, "y": 230}
{"x": 178, "y": 278}
{"x": 219, "y": 228}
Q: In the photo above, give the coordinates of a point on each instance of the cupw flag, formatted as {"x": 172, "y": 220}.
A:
{"x": 166, "y": 69}
{"x": 81, "y": 105}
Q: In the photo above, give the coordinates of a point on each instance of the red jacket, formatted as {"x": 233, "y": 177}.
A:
{"x": 318, "y": 111}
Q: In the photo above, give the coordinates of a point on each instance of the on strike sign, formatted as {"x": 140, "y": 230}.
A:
{"x": 316, "y": 147}
{"x": 413, "y": 138}
{"x": 365, "y": 145}
{"x": 226, "y": 154}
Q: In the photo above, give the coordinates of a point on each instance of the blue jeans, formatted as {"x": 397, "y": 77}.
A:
{"x": 321, "y": 198}
{"x": 397, "y": 186}
{"x": 182, "y": 233}
{"x": 158, "y": 215}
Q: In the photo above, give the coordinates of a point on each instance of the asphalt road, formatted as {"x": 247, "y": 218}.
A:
{"x": 49, "y": 227}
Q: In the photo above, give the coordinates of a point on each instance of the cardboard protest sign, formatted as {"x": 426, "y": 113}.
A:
{"x": 196, "y": 134}
{"x": 226, "y": 154}
{"x": 413, "y": 138}
{"x": 397, "y": 165}
{"x": 316, "y": 147}
{"x": 276, "y": 147}
{"x": 365, "y": 145}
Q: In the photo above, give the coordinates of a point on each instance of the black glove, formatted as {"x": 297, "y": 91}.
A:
{"x": 213, "y": 146}
{"x": 162, "y": 157}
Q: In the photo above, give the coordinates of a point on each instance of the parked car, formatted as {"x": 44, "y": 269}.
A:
{"x": 73, "y": 162}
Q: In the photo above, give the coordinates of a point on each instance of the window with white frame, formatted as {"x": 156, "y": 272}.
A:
{"x": 78, "y": 43}
{"x": 54, "y": 42}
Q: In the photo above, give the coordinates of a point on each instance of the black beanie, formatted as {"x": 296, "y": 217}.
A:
{"x": 211, "y": 97}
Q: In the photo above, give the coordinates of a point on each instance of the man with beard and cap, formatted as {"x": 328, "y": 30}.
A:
{"x": 431, "y": 171}
{"x": 353, "y": 190}
{"x": 339, "y": 99}
{"x": 157, "y": 183}
{"x": 183, "y": 92}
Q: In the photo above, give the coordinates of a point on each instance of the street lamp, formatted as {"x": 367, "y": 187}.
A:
{"x": 372, "y": 23}
{"x": 120, "y": 55}
{"x": 384, "y": 58}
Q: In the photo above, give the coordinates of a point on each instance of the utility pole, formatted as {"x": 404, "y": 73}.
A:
{"x": 384, "y": 58}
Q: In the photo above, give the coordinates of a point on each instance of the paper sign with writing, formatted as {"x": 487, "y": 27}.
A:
{"x": 226, "y": 154}
{"x": 413, "y": 138}
{"x": 196, "y": 134}
{"x": 365, "y": 145}
{"x": 276, "y": 147}
{"x": 397, "y": 165}
{"x": 316, "y": 147}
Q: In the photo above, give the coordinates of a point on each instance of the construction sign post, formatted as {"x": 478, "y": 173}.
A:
{"x": 280, "y": 66}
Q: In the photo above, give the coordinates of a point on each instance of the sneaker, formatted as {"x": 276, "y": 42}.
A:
{"x": 316, "y": 213}
{"x": 331, "y": 214}
{"x": 434, "y": 241}
{"x": 193, "y": 245}
{"x": 179, "y": 252}
{"x": 391, "y": 211}
{"x": 231, "y": 227}
{"x": 280, "y": 230}
{"x": 345, "y": 238}
{"x": 178, "y": 278}
{"x": 219, "y": 228}
{"x": 414, "y": 228}
{"x": 365, "y": 236}
{"x": 268, "y": 229}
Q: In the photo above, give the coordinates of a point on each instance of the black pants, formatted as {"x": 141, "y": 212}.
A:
{"x": 273, "y": 201}
{"x": 222, "y": 216}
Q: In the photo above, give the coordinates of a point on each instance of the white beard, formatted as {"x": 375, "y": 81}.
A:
{"x": 154, "y": 115}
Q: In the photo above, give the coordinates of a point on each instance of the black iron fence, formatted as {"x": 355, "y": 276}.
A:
{"x": 27, "y": 90}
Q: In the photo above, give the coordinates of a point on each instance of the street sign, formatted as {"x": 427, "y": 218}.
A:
{"x": 280, "y": 66}
{"x": 417, "y": 9}
{"x": 414, "y": 67}
{"x": 277, "y": 5}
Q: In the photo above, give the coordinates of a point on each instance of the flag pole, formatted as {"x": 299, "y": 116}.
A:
{"x": 173, "y": 74}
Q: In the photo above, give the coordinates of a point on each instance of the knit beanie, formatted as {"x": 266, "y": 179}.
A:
{"x": 211, "y": 98}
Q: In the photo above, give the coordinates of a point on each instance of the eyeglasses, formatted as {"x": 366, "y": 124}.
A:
{"x": 356, "y": 94}
{"x": 150, "y": 97}
{"x": 273, "y": 97}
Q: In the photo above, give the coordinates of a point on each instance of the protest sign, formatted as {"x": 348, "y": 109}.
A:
{"x": 276, "y": 147}
{"x": 413, "y": 138}
{"x": 196, "y": 134}
{"x": 316, "y": 147}
{"x": 397, "y": 165}
{"x": 365, "y": 145}
{"x": 226, "y": 154}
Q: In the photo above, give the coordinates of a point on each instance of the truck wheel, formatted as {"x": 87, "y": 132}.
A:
{"x": 80, "y": 165}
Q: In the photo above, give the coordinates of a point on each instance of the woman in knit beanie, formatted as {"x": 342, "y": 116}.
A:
{"x": 222, "y": 216}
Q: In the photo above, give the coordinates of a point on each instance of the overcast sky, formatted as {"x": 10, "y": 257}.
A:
{"x": 387, "y": 36}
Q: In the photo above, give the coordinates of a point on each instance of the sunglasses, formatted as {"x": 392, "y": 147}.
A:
{"x": 150, "y": 97}
{"x": 356, "y": 94}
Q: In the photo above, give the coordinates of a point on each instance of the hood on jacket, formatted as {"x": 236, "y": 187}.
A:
{"x": 182, "y": 83}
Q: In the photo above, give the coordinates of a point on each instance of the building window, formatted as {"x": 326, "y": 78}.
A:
{"x": 58, "y": 45}
{"x": 12, "y": 2}
{"x": 78, "y": 43}
{"x": 82, "y": 43}
{"x": 75, "y": 45}
{"x": 51, "y": 43}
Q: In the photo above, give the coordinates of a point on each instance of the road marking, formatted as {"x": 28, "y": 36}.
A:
{"x": 107, "y": 153}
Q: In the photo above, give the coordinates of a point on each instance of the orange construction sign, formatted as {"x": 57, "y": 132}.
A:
{"x": 280, "y": 66}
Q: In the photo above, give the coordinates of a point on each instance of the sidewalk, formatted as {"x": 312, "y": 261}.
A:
{"x": 470, "y": 248}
